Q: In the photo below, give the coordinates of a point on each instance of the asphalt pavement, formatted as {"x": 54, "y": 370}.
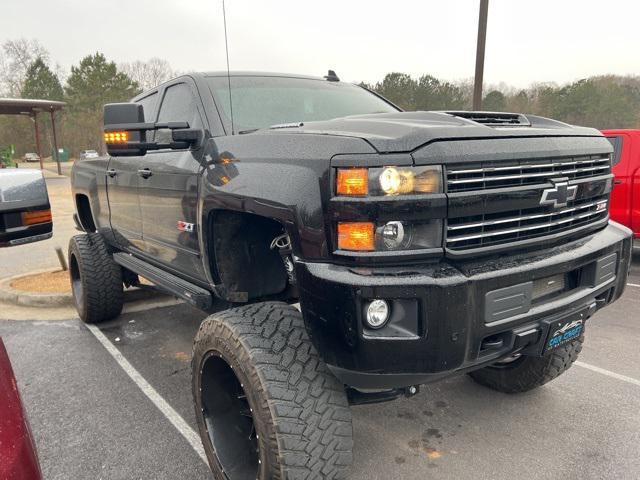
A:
{"x": 92, "y": 421}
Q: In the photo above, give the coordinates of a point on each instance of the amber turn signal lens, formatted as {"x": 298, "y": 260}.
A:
{"x": 353, "y": 181}
{"x": 116, "y": 137}
{"x": 357, "y": 236}
{"x": 38, "y": 216}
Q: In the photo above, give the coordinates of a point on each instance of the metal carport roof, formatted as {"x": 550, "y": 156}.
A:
{"x": 31, "y": 107}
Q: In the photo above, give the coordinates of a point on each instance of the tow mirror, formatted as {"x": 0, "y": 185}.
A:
{"x": 125, "y": 131}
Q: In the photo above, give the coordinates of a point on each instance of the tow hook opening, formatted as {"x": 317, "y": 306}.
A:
{"x": 360, "y": 397}
{"x": 496, "y": 342}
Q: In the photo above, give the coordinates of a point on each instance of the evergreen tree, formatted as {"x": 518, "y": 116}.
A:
{"x": 95, "y": 81}
{"x": 494, "y": 101}
{"x": 41, "y": 82}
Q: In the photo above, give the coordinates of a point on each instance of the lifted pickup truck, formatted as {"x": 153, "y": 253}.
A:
{"x": 419, "y": 245}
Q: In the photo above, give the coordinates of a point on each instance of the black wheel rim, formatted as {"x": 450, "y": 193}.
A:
{"x": 228, "y": 419}
{"x": 76, "y": 282}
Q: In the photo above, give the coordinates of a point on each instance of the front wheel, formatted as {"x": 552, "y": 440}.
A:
{"x": 266, "y": 405}
{"x": 524, "y": 373}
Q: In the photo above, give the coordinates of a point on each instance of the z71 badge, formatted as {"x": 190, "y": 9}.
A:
{"x": 185, "y": 227}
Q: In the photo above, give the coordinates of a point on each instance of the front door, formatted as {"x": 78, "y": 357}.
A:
{"x": 123, "y": 176}
{"x": 169, "y": 189}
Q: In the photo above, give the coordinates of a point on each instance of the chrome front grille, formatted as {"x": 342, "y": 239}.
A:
{"x": 512, "y": 226}
{"x": 490, "y": 175}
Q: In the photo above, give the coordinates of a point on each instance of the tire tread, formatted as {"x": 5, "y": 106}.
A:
{"x": 306, "y": 402}
{"x": 532, "y": 372}
{"x": 101, "y": 277}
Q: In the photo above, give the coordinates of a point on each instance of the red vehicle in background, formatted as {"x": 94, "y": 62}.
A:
{"x": 18, "y": 457}
{"x": 624, "y": 205}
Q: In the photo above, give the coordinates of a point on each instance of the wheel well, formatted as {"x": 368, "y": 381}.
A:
{"x": 241, "y": 257}
{"x": 83, "y": 207}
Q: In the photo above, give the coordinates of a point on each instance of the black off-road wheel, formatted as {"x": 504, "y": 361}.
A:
{"x": 96, "y": 280}
{"x": 521, "y": 374}
{"x": 266, "y": 405}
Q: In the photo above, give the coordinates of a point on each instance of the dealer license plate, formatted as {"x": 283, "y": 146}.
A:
{"x": 564, "y": 331}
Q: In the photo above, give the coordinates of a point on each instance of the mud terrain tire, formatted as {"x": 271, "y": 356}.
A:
{"x": 256, "y": 372}
{"x": 96, "y": 280}
{"x": 527, "y": 373}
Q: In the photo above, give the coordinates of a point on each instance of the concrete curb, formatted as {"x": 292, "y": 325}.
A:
{"x": 26, "y": 299}
{"x": 57, "y": 300}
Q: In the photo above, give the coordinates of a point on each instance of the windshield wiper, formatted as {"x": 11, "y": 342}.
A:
{"x": 287, "y": 125}
{"x": 274, "y": 127}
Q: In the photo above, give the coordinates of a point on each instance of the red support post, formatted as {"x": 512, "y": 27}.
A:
{"x": 55, "y": 141}
{"x": 38, "y": 149}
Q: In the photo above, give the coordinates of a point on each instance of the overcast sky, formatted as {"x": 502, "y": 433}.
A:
{"x": 528, "y": 40}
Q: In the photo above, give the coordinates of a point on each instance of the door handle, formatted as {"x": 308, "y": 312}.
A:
{"x": 112, "y": 172}
{"x": 145, "y": 172}
{"x": 617, "y": 182}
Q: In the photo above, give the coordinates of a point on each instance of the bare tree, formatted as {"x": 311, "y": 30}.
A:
{"x": 15, "y": 58}
{"x": 148, "y": 74}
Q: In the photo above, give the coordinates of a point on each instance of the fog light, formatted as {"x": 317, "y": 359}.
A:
{"x": 377, "y": 314}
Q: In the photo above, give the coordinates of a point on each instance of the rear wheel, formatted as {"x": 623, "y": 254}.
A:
{"x": 521, "y": 374}
{"x": 96, "y": 280}
{"x": 266, "y": 405}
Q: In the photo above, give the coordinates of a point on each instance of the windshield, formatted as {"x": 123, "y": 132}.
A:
{"x": 260, "y": 102}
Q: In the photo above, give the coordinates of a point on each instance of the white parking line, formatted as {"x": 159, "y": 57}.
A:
{"x": 608, "y": 373}
{"x": 633, "y": 284}
{"x": 167, "y": 410}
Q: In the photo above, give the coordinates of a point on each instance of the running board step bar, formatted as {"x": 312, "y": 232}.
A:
{"x": 196, "y": 296}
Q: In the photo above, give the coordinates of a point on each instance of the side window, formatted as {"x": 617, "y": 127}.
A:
{"x": 149, "y": 104}
{"x": 179, "y": 105}
{"x": 616, "y": 142}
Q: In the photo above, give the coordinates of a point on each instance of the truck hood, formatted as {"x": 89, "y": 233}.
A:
{"x": 407, "y": 131}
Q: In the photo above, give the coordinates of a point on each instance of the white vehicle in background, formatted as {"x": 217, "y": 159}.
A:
{"x": 31, "y": 157}
{"x": 84, "y": 154}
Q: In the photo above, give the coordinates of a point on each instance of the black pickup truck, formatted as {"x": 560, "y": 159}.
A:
{"x": 419, "y": 245}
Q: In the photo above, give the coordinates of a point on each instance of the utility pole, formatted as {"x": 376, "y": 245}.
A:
{"x": 482, "y": 40}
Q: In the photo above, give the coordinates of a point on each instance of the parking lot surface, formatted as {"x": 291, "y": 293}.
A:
{"x": 92, "y": 420}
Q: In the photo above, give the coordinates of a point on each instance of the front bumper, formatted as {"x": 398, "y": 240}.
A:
{"x": 443, "y": 323}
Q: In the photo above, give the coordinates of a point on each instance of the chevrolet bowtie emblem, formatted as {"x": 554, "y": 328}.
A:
{"x": 560, "y": 194}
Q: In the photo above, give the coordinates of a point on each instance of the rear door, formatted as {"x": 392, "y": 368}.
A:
{"x": 122, "y": 190}
{"x": 169, "y": 190}
{"x": 620, "y": 202}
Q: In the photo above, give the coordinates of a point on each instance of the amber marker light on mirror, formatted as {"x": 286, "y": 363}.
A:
{"x": 35, "y": 217}
{"x": 356, "y": 236}
{"x": 352, "y": 181}
{"x": 116, "y": 137}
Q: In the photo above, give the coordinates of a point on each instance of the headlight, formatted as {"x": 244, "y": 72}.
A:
{"x": 390, "y": 236}
{"x": 388, "y": 181}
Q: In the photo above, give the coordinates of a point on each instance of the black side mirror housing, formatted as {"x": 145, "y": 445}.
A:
{"x": 125, "y": 131}
{"x": 192, "y": 136}
{"x": 117, "y": 117}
